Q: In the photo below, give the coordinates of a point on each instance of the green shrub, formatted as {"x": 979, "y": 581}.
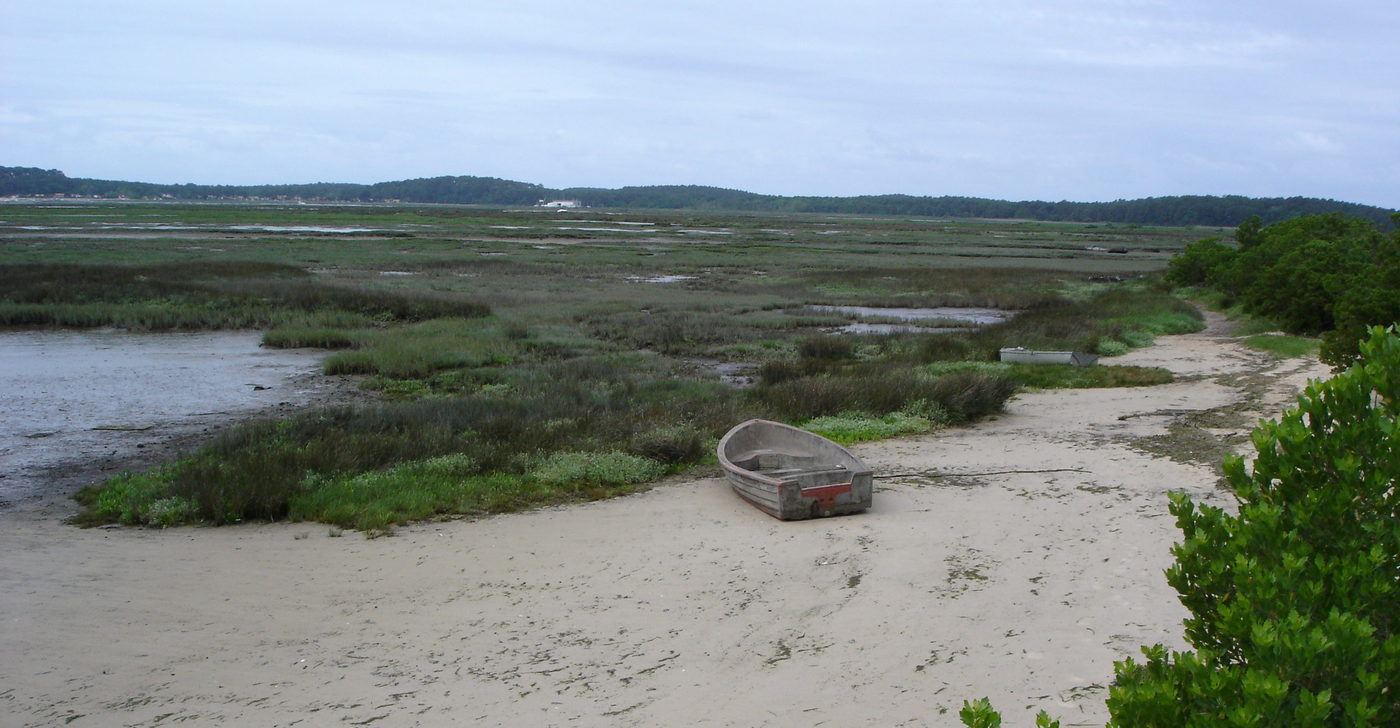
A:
{"x": 1198, "y": 263}
{"x": 1312, "y": 275}
{"x": 1295, "y": 601}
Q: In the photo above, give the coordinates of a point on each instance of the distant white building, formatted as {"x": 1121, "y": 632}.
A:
{"x": 559, "y": 203}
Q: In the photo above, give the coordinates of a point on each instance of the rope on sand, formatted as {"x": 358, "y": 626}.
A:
{"x": 939, "y": 474}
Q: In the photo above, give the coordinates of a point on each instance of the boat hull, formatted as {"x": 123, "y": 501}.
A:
{"x": 1029, "y": 356}
{"x": 792, "y": 474}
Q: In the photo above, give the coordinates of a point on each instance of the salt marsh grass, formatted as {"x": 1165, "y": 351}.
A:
{"x": 517, "y": 350}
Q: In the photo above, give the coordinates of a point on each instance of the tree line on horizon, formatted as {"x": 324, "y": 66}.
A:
{"x": 1208, "y": 210}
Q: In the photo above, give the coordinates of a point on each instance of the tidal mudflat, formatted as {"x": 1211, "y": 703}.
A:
{"x": 72, "y": 398}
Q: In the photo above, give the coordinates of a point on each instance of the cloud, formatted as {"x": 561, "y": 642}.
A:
{"x": 1314, "y": 142}
{"x": 1085, "y": 99}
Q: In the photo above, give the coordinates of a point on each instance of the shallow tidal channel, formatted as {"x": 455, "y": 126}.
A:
{"x": 74, "y": 400}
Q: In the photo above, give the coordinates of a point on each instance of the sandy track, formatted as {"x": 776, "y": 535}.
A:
{"x": 678, "y": 606}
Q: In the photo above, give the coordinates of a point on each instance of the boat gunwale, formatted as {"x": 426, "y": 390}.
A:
{"x": 777, "y": 483}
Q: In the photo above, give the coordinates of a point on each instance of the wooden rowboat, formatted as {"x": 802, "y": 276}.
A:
{"x": 792, "y": 474}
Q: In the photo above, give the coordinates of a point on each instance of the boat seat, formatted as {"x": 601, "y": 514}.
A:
{"x": 802, "y": 471}
{"x": 754, "y": 459}
{"x": 805, "y": 473}
{"x": 751, "y": 454}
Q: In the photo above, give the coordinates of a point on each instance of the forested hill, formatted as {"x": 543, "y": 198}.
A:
{"x": 1178, "y": 210}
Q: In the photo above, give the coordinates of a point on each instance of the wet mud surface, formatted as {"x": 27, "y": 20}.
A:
{"x": 83, "y": 405}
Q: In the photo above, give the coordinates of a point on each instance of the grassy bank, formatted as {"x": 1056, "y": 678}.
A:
{"x": 522, "y": 435}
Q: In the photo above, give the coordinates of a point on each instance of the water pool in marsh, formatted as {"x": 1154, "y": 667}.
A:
{"x": 919, "y": 320}
{"x": 70, "y": 398}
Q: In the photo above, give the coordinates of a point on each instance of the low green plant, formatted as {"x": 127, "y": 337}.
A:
{"x": 853, "y": 427}
{"x": 1283, "y": 345}
{"x": 980, "y": 714}
{"x": 453, "y": 484}
{"x": 134, "y": 499}
{"x": 373, "y": 501}
{"x": 594, "y": 468}
{"x": 1112, "y": 347}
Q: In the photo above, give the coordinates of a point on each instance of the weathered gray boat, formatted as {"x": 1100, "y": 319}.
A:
{"x": 792, "y": 474}
{"x": 1030, "y": 356}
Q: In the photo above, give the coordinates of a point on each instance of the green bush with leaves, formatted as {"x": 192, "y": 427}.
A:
{"x": 1294, "y": 599}
{"x": 1197, "y": 263}
{"x": 1315, "y": 274}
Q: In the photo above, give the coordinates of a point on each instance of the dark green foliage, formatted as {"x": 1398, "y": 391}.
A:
{"x": 1312, "y": 275}
{"x": 979, "y": 714}
{"x": 1178, "y": 210}
{"x": 1250, "y": 233}
{"x": 33, "y": 181}
{"x": 1295, "y": 601}
{"x": 1194, "y": 265}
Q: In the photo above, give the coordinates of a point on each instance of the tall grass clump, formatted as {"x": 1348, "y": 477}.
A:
{"x": 964, "y": 395}
{"x": 201, "y": 295}
{"x": 418, "y": 350}
{"x": 826, "y": 348}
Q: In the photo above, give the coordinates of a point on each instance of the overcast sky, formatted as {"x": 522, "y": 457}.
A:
{"x": 1076, "y": 100}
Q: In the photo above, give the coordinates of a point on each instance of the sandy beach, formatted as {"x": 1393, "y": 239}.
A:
{"x": 1014, "y": 559}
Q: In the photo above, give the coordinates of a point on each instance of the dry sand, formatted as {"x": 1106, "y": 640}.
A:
{"x": 677, "y": 606}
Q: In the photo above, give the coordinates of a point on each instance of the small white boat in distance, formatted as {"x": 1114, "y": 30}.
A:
{"x": 1020, "y": 355}
{"x": 792, "y": 474}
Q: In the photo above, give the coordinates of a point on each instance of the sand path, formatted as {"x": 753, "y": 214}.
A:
{"x": 678, "y": 606}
